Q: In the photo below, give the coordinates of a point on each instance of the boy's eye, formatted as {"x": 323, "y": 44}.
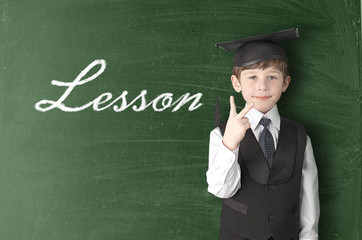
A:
{"x": 272, "y": 77}
{"x": 252, "y": 77}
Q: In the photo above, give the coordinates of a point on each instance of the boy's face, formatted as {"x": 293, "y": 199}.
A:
{"x": 262, "y": 87}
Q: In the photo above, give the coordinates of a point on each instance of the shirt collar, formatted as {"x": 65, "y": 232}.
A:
{"x": 255, "y": 116}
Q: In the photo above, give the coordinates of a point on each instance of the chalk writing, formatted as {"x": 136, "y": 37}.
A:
{"x": 119, "y": 104}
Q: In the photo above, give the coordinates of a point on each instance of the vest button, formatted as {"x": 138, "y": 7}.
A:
{"x": 272, "y": 218}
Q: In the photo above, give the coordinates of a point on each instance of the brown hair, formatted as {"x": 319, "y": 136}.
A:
{"x": 279, "y": 64}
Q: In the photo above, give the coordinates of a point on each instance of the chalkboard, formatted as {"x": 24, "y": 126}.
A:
{"x": 130, "y": 86}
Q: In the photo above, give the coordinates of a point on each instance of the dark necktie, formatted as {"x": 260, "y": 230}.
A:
{"x": 266, "y": 142}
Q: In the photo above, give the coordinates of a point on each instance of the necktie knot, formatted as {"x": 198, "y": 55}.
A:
{"x": 265, "y": 122}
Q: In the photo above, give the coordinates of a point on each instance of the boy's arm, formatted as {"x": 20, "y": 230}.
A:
{"x": 223, "y": 175}
{"x": 309, "y": 209}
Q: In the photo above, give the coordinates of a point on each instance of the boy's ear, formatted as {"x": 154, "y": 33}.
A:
{"x": 286, "y": 83}
{"x": 236, "y": 83}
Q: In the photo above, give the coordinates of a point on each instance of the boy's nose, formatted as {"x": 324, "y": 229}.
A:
{"x": 262, "y": 86}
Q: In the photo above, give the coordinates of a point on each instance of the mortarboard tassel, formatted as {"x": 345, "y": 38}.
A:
{"x": 217, "y": 104}
{"x": 217, "y": 112}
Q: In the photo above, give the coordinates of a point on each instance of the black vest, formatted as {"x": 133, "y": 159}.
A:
{"x": 267, "y": 204}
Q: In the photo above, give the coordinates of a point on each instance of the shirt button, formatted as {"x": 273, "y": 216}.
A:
{"x": 271, "y": 188}
{"x": 272, "y": 218}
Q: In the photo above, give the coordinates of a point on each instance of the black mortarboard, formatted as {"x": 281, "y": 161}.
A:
{"x": 255, "y": 49}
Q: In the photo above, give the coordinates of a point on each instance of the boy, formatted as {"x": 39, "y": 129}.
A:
{"x": 262, "y": 164}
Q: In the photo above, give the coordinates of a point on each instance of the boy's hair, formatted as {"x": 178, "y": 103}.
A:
{"x": 279, "y": 64}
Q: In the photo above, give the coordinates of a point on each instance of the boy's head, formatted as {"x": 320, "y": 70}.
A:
{"x": 260, "y": 67}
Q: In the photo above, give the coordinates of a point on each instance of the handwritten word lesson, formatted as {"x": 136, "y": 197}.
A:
{"x": 120, "y": 103}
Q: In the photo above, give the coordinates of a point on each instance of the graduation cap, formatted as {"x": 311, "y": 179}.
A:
{"x": 255, "y": 49}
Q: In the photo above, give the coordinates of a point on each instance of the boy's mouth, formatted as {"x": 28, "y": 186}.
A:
{"x": 262, "y": 97}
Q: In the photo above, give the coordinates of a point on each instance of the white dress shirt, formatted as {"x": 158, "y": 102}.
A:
{"x": 223, "y": 175}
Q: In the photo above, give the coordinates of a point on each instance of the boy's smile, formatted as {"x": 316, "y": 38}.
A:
{"x": 263, "y": 87}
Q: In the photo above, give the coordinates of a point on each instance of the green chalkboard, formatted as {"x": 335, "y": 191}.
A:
{"x": 106, "y": 108}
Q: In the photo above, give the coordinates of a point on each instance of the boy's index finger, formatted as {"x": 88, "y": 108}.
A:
{"x": 232, "y": 106}
{"x": 246, "y": 109}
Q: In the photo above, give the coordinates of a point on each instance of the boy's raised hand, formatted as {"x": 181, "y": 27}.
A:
{"x": 236, "y": 126}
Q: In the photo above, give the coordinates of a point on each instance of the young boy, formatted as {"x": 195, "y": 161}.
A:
{"x": 262, "y": 164}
